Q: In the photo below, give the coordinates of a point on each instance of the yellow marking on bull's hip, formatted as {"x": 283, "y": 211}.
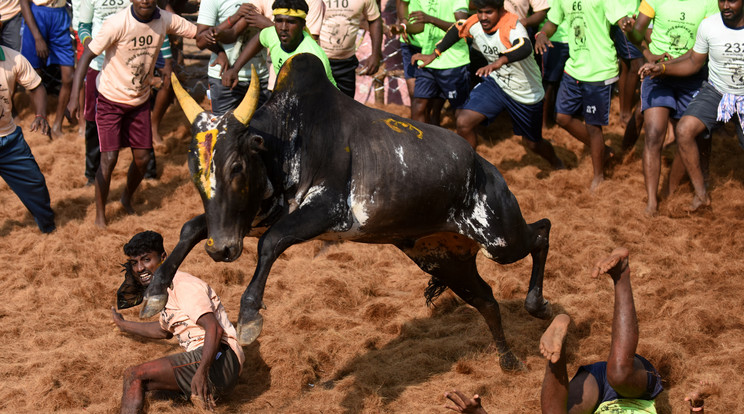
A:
{"x": 210, "y": 242}
{"x": 399, "y": 126}
{"x": 205, "y": 147}
{"x": 347, "y": 149}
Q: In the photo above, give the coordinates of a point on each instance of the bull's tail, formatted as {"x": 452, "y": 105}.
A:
{"x": 435, "y": 288}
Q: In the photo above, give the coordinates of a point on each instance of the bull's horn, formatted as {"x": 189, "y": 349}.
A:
{"x": 188, "y": 104}
{"x": 244, "y": 111}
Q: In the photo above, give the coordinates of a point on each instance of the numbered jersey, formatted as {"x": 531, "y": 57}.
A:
{"x": 521, "y": 79}
{"x": 725, "y": 49}
{"x": 96, "y": 12}
{"x": 341, "y": 24}
{"x": 131, "y": 48}
{"x": 592, "y": 55}
{"x": 457, "y": 55}
{"x": 676, "y": 23}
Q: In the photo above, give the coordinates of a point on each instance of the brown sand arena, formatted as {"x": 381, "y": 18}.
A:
{"x": 346, "y": 329}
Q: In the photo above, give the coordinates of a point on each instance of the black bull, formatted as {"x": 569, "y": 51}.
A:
{"x": 315, "y": 164}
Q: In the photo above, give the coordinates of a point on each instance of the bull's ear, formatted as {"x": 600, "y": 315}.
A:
{"x": 256, "y": 143}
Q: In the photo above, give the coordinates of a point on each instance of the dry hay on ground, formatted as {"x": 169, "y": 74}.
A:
{"x": 346, "y": 329}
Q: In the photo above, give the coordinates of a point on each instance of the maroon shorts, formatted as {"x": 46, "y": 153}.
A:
{"x": 91, "y": 95}
{"x": 121, "y": 126}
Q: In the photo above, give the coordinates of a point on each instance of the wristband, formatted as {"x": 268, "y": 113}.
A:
{"x": 663, "y": 68}
{"x": 405, "y": 28}
{"x": 539, "y": 33}
{"x": 42, "y": 117}
{"x": 228, "y": 21}
{"x": 437, "y": 52}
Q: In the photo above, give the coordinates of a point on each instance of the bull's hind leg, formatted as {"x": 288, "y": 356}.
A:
{"x": 535, "y": 303}
{"x": 450, "y": 260}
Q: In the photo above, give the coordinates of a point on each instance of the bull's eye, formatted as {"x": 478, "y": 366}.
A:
{"x": 237, "y": 168}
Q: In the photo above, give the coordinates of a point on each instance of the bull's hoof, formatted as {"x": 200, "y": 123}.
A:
{"x": 538, "y": 307}
{"x": 151, "y": 305}
{"x": 249, "y": 331}
{"x": 510, "y": 363}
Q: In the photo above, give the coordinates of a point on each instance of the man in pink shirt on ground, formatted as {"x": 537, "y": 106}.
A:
{"x": 131, "y": 39}
{"x": 211, "y": 363}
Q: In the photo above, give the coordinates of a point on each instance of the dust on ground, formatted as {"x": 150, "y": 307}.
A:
{"x": 346, "y": 328}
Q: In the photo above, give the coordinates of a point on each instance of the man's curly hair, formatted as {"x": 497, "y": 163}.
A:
{"x": 143, "y": 243}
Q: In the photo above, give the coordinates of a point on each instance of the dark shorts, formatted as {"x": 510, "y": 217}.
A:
{"x": 406, "y": 51}
{"x": 553, "y": 62}
{"x": 625, "y": 49}
{"x": 590, "y": 99}
{"x": 223, "y": 373}
{"x": 344, "y": 73}
{"x": 121, "y": 126}
{"x": 606, "y": 393}
{"x": 10, "y": 35}
{"x": 91, "y": 95}
{"x": 704, "y": 106}
{"x": 489, "y": 99}
{"x": 671, "y": 92}
{"x": 54, "y": 25}
{"x": 225, "y": 99}
{"x": 453, "y": 84}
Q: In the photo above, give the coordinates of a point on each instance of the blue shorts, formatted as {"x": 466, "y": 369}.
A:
{"x": 606, "y": 393}
{"x": 625, "y": 49}
{"x": 672, "y": 92}
{"x": 406, "y": 51}
{"x": 453, "y": 84}
{"x": 489, "y": 99}
{"x": 590, "y": 99}
{"x": 553, "y": 62}
{"x": 54, "y": 25}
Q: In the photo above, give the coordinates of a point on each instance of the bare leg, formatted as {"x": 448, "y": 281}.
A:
{"x": 549, "y": 104}
{"x": 162, "y": 100}
{"x": 64, "y": 97}
{"x": 103, "y": 181}
{"x": 633, "y": 129}
{"x": 467, "y": 120}
{"x": 625, "y": 373}
{"x": 597, "y": 147}
{"x": 697, "y": 397}
{"x": 434, "y": 111}
{"x": 627, "y": 85}
{"x": 545, "y": 149}
{"x": 150, "y": 376}
{"x": 418, "y": 109}
{"x": 558, "y": 395}
{"x": 656, "y": 120}
{"x": 687, "y": 129}
{"x": 134, "y": 176}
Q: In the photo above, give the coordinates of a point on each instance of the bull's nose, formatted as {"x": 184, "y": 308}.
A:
{"x": 223, "y": 253}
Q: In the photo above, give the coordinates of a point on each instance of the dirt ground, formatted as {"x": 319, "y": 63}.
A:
{"x": 346, "y": 328}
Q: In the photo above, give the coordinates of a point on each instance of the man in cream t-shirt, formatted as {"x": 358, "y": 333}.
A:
{"x": 211, "y": 363}
{"x": 131, "y": 39}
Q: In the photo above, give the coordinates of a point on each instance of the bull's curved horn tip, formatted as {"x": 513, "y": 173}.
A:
{"x": 188, "y": 104}
{"x": 244, "y": 111}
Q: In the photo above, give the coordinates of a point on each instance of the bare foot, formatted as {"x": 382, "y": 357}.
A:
{"x": 101, "y": 222}
{"x": 615, "y": 264}
{"x": 56, "y": 131}
{"x": 464, "y": 404}
{"x": 127, "y": 204}
{"x": 651, "y": 209}
{"x": 595, "y": 183}
{"x": 698, "y": 202}
{"x": 706, "y": 389}
{"x": 552, "y": 339}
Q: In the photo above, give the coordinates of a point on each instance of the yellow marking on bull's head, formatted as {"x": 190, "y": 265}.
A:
{"x": 399, "y": 126}
{"x": 210, "y": 242}
{"x": 205, "y": 150}
{"x": 347, "y": 149}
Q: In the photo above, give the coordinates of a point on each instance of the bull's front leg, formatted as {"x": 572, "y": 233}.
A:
{"x": 304, "y": 224}
{"x": 156, "y": 295}
{"x": 535, "y": 303}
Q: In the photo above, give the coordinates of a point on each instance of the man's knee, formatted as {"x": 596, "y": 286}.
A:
{"x": 133, "y": 375}
{"x": 688, "y": 128}
{"x": 562, "y": 120}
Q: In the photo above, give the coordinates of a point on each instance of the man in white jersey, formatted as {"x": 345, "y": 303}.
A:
{"x": 511, "y": 79}
{"x": 131, "y": 39}
{"x": 720, "y": 41}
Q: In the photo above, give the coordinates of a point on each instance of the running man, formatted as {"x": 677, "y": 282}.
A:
{"x": 511, "y": 79}
{"x": 624, "y": 383}
{"x": 591, "y": 69}
{"x": 675, "y": 26}
{"x": 720, "y": 42}
{"x": 132, "y": 39}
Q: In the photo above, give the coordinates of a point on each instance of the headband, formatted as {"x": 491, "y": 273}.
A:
{"x": 290, "y": 12}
